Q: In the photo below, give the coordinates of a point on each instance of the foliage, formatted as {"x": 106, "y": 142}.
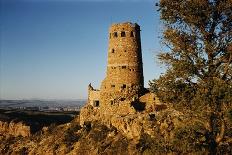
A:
{"x": 148, "y": 145}
{"x": 198, "y": 57}
{"x": 189, "y": 138}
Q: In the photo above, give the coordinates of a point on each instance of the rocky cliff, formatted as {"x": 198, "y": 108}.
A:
{"x": 165, "y": 131}
{"x": 14, "y": 128}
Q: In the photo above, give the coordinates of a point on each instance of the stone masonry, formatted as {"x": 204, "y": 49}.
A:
{"x": 124, "y": 74}
{"x": 122, "y": 92}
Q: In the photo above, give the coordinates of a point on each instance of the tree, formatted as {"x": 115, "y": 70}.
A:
{"x": 198, "y": 38}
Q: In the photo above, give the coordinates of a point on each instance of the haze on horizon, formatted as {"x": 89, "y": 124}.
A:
{"x": 54, "y": 49}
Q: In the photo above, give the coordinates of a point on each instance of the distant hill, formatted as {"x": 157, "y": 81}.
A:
{"x": 41, "y": 103}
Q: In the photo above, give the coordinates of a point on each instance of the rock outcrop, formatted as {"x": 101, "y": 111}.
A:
{"x": 133, "y": 124}
{"x": 165, "y": 131}
{"x": 15, "y": 129}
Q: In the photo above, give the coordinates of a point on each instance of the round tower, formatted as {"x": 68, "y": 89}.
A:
{"x": 124, "y": 67}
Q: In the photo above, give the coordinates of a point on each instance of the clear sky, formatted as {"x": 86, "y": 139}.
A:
{"x": 52, "y": 49}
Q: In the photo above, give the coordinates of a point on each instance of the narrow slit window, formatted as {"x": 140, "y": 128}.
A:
{"x": 123, "y": 86}
{"x": 123, "y": 34}
{"x": 115, "y": 34}
{"x": 112, "y": 51}
{"x": 132, "y": 34}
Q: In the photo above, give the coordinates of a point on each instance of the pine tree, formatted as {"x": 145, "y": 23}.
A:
{"x": 198, "y": 39}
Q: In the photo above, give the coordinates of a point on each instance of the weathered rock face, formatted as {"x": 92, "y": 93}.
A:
{"x": 14, "y": 129}
{"x": 165, "y": 131}
{"x": 133, "y": 124}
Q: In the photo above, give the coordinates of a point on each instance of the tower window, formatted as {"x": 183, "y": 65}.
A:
{"x": 123, "y": 86}
{"x": 123, "y": 34}
{"x": 132, "y": 34}
{"x": 122, "y": 99}
{"x": 112, "y": 51}
{"x": 96, "y": 103}
{"x": 115, "y": 34}
{"x": 112, "y": 86}
{"x": 123, "y": 67}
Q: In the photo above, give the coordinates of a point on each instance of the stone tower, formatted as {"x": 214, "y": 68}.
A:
{"x": 124, "y": 74}
{"x": 122, "y": 92}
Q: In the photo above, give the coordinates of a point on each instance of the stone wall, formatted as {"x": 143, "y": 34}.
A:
{"x": 93, "y": 96}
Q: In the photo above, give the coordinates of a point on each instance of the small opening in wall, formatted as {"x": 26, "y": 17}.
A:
{"x": 112, "y": 51}
{"x": 123, "y": 34}
{"x": 112, "y": 102}
{"x": 123, "y": 67}
{"x": 122, "y": 99}
{"x": 110, "y": 35}
{"x": 115, "y": 34}
{"x": 132, "y": 34}
{"x": 124, "y": 86}
{"x": 96, "y": 103}
{"x": 139, "y": 106}
{"x": 125, "y": 51}
{"x": 112, "y": 86}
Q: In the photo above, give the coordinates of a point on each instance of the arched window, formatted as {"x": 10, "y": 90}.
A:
{"x": 123, "y": 34}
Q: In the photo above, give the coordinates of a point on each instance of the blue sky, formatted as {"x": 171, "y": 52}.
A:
{"x": 52, "y": 49}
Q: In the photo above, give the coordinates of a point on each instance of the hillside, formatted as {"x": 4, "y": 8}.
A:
{"x": 171, "y": 132}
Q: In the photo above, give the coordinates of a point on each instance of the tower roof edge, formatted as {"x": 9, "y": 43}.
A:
{"x": 125, "y": 23}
